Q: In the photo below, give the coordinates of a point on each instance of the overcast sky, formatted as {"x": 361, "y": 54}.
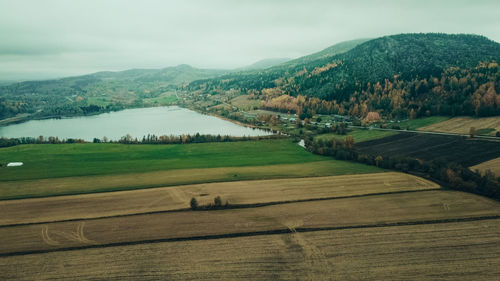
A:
{"x": 54, "y": 38}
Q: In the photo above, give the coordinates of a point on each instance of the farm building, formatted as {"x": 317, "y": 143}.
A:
{"x": 15, "y": 164}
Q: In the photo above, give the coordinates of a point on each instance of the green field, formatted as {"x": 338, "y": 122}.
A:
{"x": 421, "y": 122}
{"x": 85, "y": 168}
{"x": 99, "y": 101}
{"x": 164, "y": 99}
{"x": 359, "y": 135}
{"x": 67, "y": 160}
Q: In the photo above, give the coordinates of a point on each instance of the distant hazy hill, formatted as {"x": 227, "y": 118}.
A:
{"x": 67, "y": 96}
{"x": 287, "y": 62}
{"x": 260, "y": 78}
{"x": 265, "y": 63}
{"x": 173, "y": 75}
{"x": 328, "y": 52}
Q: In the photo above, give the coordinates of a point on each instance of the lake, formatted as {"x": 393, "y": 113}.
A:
{"x": 171, "y": 120}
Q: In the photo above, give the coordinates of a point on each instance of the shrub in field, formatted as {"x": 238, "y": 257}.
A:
{"x": 193, "y": 203}
{"x": 217, "y": 202}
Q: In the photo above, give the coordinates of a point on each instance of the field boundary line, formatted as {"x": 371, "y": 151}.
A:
{"x": 235, "y": 206}
{"x": 167, "y": 185}
{"x": 251, "y": 234}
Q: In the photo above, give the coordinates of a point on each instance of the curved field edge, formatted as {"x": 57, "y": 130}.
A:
{"x": 43, "y": 161}
{"x": 107, "y": 183}
{"x": 238, "y": 194}
{"x": 492, "y": 165}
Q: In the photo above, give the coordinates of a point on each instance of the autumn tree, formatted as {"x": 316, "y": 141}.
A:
{"x": 349, "y": 142}
{"x": 472, "y": 132}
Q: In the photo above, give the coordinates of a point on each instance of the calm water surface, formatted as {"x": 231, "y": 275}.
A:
{"x": 171, "y": 120}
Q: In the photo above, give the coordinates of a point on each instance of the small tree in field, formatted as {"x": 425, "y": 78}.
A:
{"x": 472, "y": 132}
{"x": 217, "y": 202}
{"x": 193, "y": 203}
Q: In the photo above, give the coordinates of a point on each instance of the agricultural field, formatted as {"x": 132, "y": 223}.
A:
{"x": 445, "y": 251}
{"x": 467, "y": 152}
{"x": 359, "y": 135}
{"x": 274, "y": 228}
{"x": 462, "y": 125}
{"x": 244, "y": 103}
{"x": 420, "y": 122}
{"x": 67, "y": 160}
{"x": 167, "y": 98}
{"x": 313, "y": 237}
{"x": 291, "y": 214}
{"x": 492, "y": 165}
{"x": 364, "y": 211}
{"x": 103, "y": 183}
{"x": 238, "y": 193}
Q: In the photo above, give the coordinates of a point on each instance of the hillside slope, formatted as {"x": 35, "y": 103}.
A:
{"x": 96, "y": 92}
{"x": 405, "y": 75}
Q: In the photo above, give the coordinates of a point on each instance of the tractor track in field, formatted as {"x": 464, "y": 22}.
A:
{"x": 286, "y": 230}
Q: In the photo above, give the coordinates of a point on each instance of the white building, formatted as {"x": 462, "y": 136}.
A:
{"x": 15, "y": 164}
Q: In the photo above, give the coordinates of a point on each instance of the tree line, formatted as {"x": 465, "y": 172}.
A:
{"x": 149, "y": 139}
{"x": 448, "y": 174}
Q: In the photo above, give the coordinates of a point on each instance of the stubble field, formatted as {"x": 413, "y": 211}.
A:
{"x": 239, "y": 193}
{"x": 492, "y": 165}
{"x": 462, "y": 125}
{"x": 353, "y": 226}
{"x": 448, "y": 251}
{"x": 367, "y": 211}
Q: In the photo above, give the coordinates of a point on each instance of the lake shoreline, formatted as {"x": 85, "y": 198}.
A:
{"x": 137, "y": 122}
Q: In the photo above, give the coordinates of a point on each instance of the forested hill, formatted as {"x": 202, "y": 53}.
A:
{"x": 408, "y": 56}
{"x": 421, "y": 74}
{"x": 98, "y": 92}
{"x": 406, "y": 75}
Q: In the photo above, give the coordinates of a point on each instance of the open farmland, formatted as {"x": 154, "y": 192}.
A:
{"x": 425, "y": 234}
{"x": 414, "y": 124}
{"x": 448, "y": 251}
{"x": 462, "y": 125}
{"x": 359, "y": 135}
{"x": 283, "y": 228}
{"x": 129, "y": 181}
{"x": 65, "y": 169}
{"x": 177, "y": 197}
{"x": 492, "y": 165}
{"x": 467, "y": 152}
{"x": 68, "y": 160}
{"x": 366, "y": 211}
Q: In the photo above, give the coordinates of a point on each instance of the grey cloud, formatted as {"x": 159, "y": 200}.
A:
{"x": 58, "y": 37}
